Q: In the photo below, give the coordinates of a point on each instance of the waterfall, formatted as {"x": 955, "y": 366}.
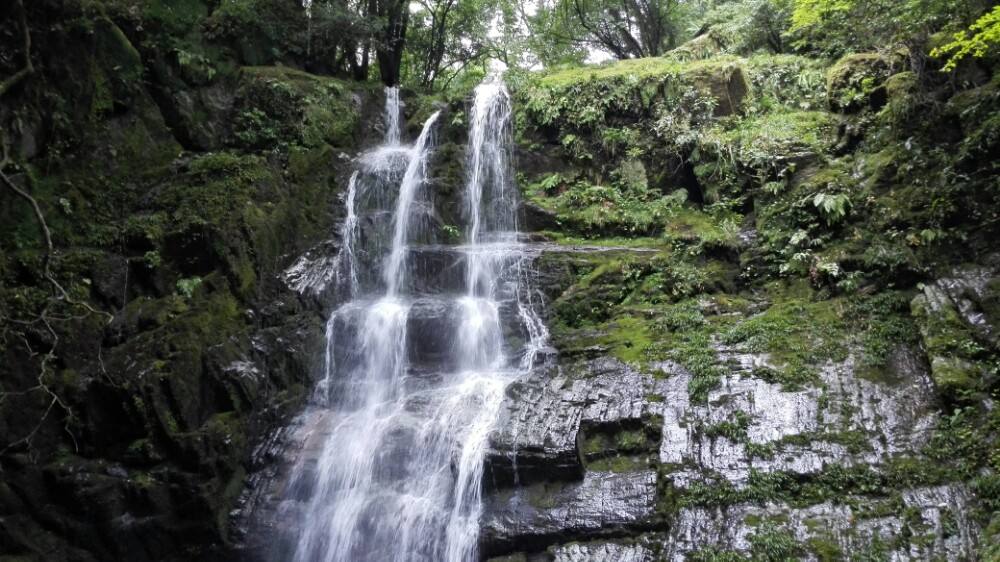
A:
{"x": 392, "y": 111}
{"x": 413, "y": 178}
{"x": 346, "y": 261}
{"x": 415, "y": 372}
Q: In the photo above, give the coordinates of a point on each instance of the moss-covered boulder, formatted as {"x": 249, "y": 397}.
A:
{"x": 952, "y": 344}
{"x": 278, "y": 105}
{"x": 857, "y": 81}
{"x": 727, "y": 84}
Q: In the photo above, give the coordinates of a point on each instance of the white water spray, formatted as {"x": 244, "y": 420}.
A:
{"x": 414, "y": 381}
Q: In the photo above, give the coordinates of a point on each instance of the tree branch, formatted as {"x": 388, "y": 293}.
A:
{"x": 28, "y": 67}
{"x": 62, "y": 294}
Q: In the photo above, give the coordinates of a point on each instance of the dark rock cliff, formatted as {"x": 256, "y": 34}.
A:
{"x": 176, "y": 184}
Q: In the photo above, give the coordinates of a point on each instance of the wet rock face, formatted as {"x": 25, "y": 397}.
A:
{"x": 958, "y": 317}
{"x": 539, "y": 437}
{"x": 596, "y": 459}
{"x": 828, "y": 529}
{"x": 602, "y": 504}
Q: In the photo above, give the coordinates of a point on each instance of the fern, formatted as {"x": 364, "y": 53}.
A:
{"x": 833, "y": 206}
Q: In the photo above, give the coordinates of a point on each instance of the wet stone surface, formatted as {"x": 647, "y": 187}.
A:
{"x": 620, "y": 458}
{"x": 603, "y": 503}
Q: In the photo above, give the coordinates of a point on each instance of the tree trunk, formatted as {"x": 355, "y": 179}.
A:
{"x": 390, "y": 50}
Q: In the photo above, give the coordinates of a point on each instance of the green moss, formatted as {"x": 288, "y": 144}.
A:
{"x": 713, "y": 228}
{"x": 754, "y": 140}
{"x": 851, "y": 81}
{"x": 543, "y": 495}
{"x": 604, "y": 210}
{"x": 631, "y": 440}
{"x": 595, "y": 444}
{"x": 284, "y": 106}
{"x": 629, "y": 339}
{"x": 734, "y": 429}
{"x": 633, "y": 69}
{"x": 617, "y": 304}
{"x": 859, "y": 486}
{"x": 798, "y": 336}
{"x": 619, "y": 463}
{"x": 954, "y": 351}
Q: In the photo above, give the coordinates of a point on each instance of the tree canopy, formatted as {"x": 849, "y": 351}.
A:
{"x": 429, "y": 44}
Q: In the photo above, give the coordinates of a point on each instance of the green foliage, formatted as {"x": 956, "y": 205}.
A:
{"x": 254, "y": 129}
{"x": 281, "y": 107}
{"x": 853, "y": 79}
{"x": 734, "y": 429}
{"x": 744, "y": 26}
{"x": 840, "y": 26}
{"x": 981, "y": 37}
{"x": 771, "y": 544}
{"x": 621, "y": 29}
{"x": 759, "y": 146}
{"x": 833, "y": 206}
{"x": 187, "y": 287}
{"x": 786, "y": 81}
{"x": 713, "y": 554}
{"x": 595, "y": 210}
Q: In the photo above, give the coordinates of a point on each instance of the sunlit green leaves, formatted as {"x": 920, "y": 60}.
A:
{"x": 982, "y": 36}
{"x": 833, "y": 206}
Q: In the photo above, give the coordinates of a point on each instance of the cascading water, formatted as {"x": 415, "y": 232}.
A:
{"x": 415, "y": 371}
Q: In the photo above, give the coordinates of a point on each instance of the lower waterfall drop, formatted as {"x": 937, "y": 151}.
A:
{"x": 392, "y": 465}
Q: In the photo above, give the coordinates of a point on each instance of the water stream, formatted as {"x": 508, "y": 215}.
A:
{"x": 416, "y": 365}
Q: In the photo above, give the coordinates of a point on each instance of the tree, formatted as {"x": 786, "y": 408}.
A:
{"x": 446, "y": 37}
{"x": 985, "y": 36}
{"x": 341, "y": 36}
{"x": 836, "y": 27}
{"x": 627, "y": 28}
{"x": 746, "y": 26}
{"x": 394, "y": 17}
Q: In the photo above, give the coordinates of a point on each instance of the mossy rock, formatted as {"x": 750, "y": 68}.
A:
{"x": 278, "y": 105}
{"x": 725, "y": 83}
{"x": 704, "y": 46}
{"x": 953, "y": 375}
{"x": 901, "y": 84}
{"x": 949, "y": 343}
{"x": 119, "y": 63}
{"x": 858, "y": 81}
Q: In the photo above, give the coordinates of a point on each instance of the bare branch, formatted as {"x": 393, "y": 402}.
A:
{"x": 28, "y": 67}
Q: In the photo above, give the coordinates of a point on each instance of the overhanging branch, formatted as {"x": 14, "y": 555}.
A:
{"x": 29, "y": 68}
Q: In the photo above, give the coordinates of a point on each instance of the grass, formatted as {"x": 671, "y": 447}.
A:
{"x": 757, "y": 139}
{"x": 652, "y": 67}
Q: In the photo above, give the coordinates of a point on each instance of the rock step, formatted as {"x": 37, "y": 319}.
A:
{"x": 603, "y": 504}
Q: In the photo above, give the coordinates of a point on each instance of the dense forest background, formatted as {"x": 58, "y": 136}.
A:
{"x": 165, "y": 161}
{"x": 431, "y": 44}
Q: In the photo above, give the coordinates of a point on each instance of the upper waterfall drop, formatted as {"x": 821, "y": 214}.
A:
{"x": 393, "y": 108}
{"x": 489, "y": 163}
{"x": 413, "y": 178}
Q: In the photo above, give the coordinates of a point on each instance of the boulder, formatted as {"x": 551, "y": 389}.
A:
{"x": 604, "y": 503}
{"x": 726, "y": 82}
{"x": 858, "y": 81}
